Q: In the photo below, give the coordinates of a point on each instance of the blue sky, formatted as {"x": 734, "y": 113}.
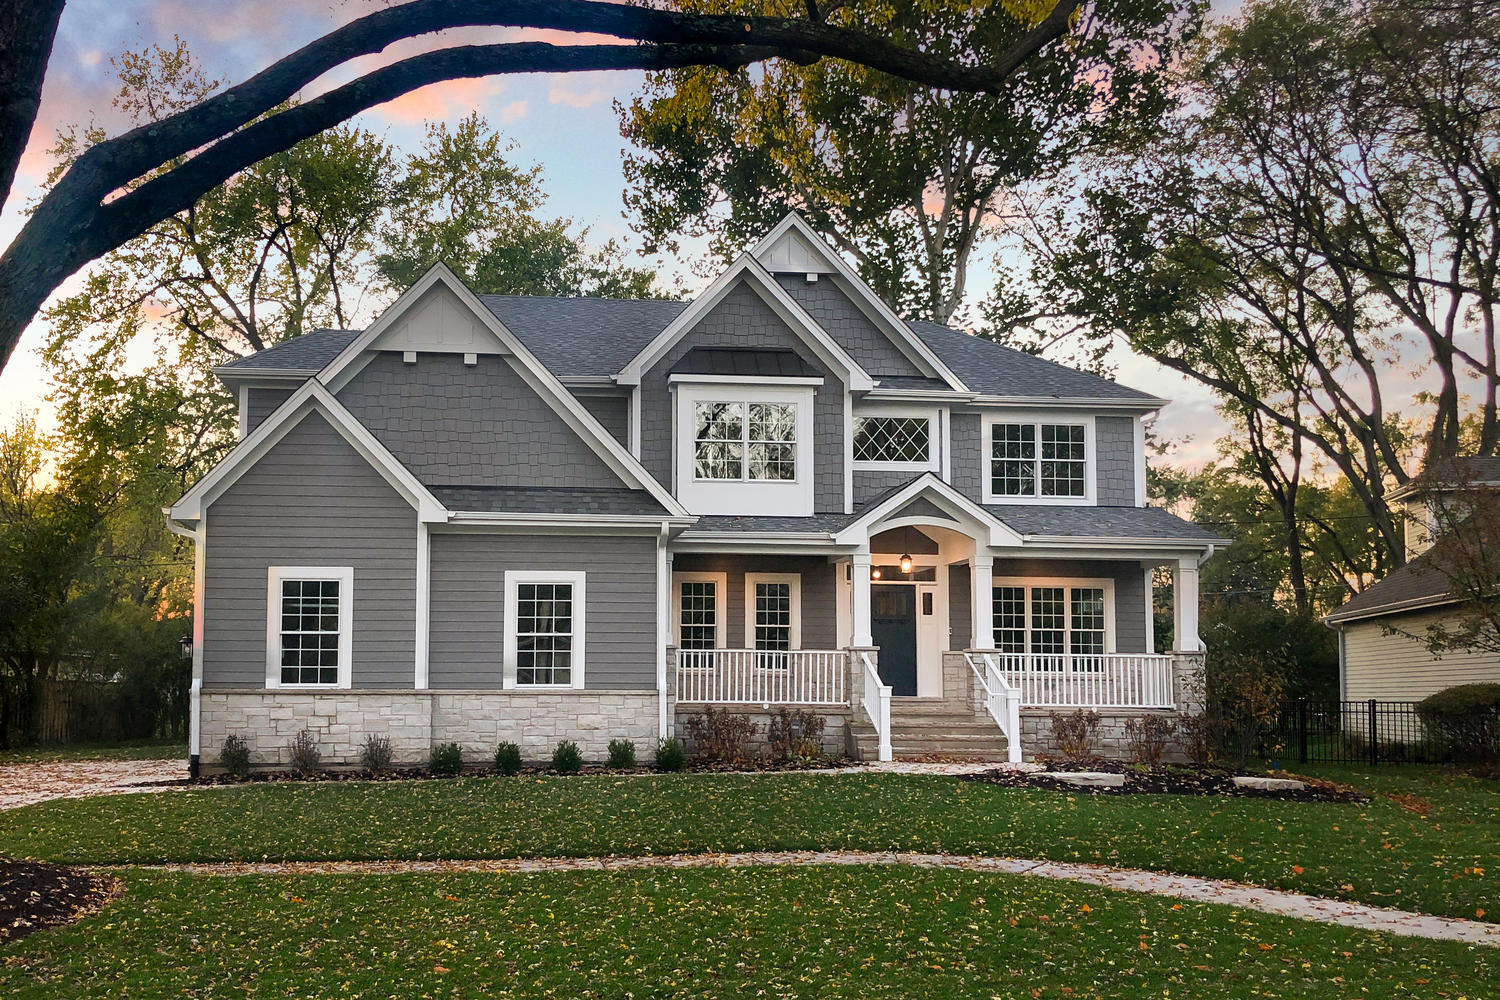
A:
{"x": 566, "y": 123}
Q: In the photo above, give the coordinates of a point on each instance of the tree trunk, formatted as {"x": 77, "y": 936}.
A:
{"x": 27, "y": 28}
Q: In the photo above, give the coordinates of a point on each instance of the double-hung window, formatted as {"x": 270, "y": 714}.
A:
{"x": 1039, "y": 459}
{"x": 747, "y": 441}
{"x": 1053, "y": 620}
{"x": 544, "y": 629}
{"x": 309, "y": 626}
{"x": 700, "y": 613}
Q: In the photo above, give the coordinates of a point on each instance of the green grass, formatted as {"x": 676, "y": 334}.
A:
{"x": 813, "y": 932}
{"x": 1447, "y": 862}
{"x": 152, "y": 749}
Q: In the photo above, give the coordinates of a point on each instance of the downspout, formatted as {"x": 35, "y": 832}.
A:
{"x": 663, "y": 627}
{"x": 195, "y": 689}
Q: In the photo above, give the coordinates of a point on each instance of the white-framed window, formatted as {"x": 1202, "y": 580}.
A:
{"x": 773, "y": 611}
{"x": 699, "y": 621}
{"x": 309, "y": 626}
{"x": 1039, "y": 459}
{"x": 894, "y": 438}
{"x": 1053, "y": 617}
{"x": 544, "y": 629}
{"x": 745, "y": 441}
{"x": 744, "y": 448}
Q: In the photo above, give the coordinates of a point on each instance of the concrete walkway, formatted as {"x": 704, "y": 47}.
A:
{"x": 1187, "y": 887}
{"x": 25, "y": 784}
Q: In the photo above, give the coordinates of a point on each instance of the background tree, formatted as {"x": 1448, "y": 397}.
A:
{"x": 1464, "y": 522}
{"x": 909, "y": 181}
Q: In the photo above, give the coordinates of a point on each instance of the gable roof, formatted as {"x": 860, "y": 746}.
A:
{"x": 743, "y": 361}
{"x": 1454, "y": 473}
{"x": 579, "y": 337}
{"x": 305, "y": 355}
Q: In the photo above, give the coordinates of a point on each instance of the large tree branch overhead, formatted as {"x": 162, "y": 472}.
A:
{"x": 228, "y": 131}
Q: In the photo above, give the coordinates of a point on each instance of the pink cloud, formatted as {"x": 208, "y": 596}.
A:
{"x": 512, "y": 112}
{"x": 442, "y": 100}
{"x": 574, "y": 99}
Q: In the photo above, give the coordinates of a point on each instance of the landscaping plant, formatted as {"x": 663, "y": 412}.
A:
{"x": 447, "y": 759}
{"x": 621, "y": 754}
{"x": 508, "y": 758}
{"x": 795, "y": 735}
{"x": 567, "y": 758}
{"x": 1464, "y": 721}
{"x": 375, "y": 754}
{"x": 1147, "y": 737}
{"x": 721, "y": 736}
{"x": 306, "y": 760}
{"x": 1074, "y": 735}
{"x": 670, "y": 755}
{"x": 235, "y": 756}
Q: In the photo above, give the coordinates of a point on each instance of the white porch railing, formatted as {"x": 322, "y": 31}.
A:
{"x": 1089, "y": 680}
{"x": 1001, "y": 699}
{"x": 762, "y": 677}
{"x": 877, "y": 704}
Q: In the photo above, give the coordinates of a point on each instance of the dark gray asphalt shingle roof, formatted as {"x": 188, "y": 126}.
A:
{"x": 992, "y": 369}
{"x": 1418, "y": 582}
{"x": 581, "y": 336}
{"x": 546, "y": 500}
{"x": 309, "y": 353}
{"x": 742, "y": 361}
{"x": 1098, "y": 522}
{"x": 817, "y": 523}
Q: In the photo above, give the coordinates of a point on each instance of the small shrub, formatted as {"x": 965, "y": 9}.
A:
{"x": 508, "y": 758}
{"x": 721, "y": 736}
{"x": 621, "y": 755}
{"x": 235, "y": 756}
{"x": 1147, "y": 738}
{"x": 375, "y": 754}
{"x": 306, "y": 760}
{"x": 1074, "y": 734}
{"x": 795, "y": 735}
{"x": 1200, "y": 738}
{"x": 1464, "y": 721}
{"x": 669, "y": 754}
{"x": 567, "y": 758}
{"x": 447, "y": 759}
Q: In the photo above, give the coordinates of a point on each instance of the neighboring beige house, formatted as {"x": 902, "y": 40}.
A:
{"x": 1380, "y": 655}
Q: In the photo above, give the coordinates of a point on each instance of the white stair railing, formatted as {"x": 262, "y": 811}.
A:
{"x": 1001, "y": 700}
{"x": 876, "y": 699}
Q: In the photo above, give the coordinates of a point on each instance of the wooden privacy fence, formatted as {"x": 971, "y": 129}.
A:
{"x": 69, "y": 711}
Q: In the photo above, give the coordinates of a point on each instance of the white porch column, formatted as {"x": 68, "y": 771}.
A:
{"x": 861, "y": 586}
{"x": 983, "y": 583}
{"x": 1185, "y": 605}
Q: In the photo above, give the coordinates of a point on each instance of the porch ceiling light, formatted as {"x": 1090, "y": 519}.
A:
{"x": 906, "y": 555}
{"x": 874, "y": 572}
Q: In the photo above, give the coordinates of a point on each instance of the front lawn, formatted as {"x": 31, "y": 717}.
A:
{"x": 1438, "y": 850}
{"x": 824, "y": 932}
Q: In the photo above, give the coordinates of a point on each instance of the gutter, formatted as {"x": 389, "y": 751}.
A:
{"x": 1334, "y": 619}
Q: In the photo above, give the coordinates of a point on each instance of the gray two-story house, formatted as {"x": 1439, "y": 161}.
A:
{"x": 521, "y": 518}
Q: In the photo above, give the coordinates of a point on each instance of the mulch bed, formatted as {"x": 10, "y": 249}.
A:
{"x": 34, "y": 895}
{"x": 1169, "y": 779}
{"x": 472, "y": 771}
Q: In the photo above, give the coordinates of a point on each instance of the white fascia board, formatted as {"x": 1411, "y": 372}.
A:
{"x": 942, "y": 494}
{"x": 864, "y": 297}
{"x": 689, "y": 379}
{"x": 1145, "y": 405}
{"x": 546, "y": 384}
{"x": 500, "y": 518}
{"x": 824, "y": 346}
{"x": 310, "y": 397}
{"x": 1381, "y": 611}
{"x": 1204, "y": 545}
{"x": 938, "y": 396}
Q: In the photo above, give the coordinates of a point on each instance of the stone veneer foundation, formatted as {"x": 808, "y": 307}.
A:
{"x": 416, "y": 721}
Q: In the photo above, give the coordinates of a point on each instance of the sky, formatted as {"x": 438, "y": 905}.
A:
{"x": 566, "y": 123}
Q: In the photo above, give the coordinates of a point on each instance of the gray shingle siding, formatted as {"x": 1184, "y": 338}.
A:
{"x": 742, "y": 319}
{"x": 261, "y": 403}
{"x": 312, "y": 500}
{"x": 850, "y": 328}
{"x": 819, "y": 601}
{"x": 966, "y": 439}
{"x": 611, "y": 411}
{"x": 871, "y": 483}
{"x": 471, "y": 425}
{"x": 1130, "y": 591}
{"x": 468, "y": 605}
{"x": 1114, "y": 464}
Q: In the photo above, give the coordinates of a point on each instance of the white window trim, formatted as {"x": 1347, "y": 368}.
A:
{"x": 1036, "y": 419}
{"x": 275, "y": 575}
{"x": 1029, "y": 582}
{"x": 786, "y": 497}
{"x": 795, "y": 579}
{"x": 514, "y": 578}
{"x": 934, "y": 455}
{"x": 721, "y": 605}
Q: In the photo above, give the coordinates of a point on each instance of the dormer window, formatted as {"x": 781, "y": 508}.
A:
{"x": 745, "y": 441}
{"x": 1047, "y": 460}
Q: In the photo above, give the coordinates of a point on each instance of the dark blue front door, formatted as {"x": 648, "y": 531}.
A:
{"x": 893, "y": 627}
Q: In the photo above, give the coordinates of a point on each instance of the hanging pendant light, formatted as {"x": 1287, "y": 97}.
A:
{"x": 906, "y": 556}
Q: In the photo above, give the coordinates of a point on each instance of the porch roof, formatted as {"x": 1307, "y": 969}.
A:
{"x": 547, "y": 500}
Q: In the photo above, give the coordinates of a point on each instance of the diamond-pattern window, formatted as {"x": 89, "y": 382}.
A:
{"x": 892, "y": 439}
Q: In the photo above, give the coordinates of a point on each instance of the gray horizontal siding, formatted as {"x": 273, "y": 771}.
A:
{"x": 611, "y": 411}
{"x": 742, "y": 319}
{"x": 467, "y": 636}
{"x": 1114, "y": 442}
{"x": 471, "y": 425}
{"x": 819, "y": 595}
{"x": 261, "y": 403}
{"x": 312, "y": 500}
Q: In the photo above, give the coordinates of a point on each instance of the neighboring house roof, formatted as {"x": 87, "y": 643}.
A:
{"x": 1452, "y": 473}
{"x": 547, "y": 500}
{"x": 1049, "y": 520}
{"x": 1418, "y": 584}
{"x": 742, "y": 361}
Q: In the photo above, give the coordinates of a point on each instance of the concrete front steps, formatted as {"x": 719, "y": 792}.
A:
{"x": 921, "y": 728}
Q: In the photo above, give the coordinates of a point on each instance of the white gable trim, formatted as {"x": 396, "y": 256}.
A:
{"x": 864, "y": 298}
{"x": 785, "y": 307}
{"x": 309, "y": 398}
{"x": 349, "y": 361}
{"x": 945, "y": 497}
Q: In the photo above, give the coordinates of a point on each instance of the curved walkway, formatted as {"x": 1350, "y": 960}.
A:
{"x": 1188, "y": 887}
{"x": 27, "y": 784}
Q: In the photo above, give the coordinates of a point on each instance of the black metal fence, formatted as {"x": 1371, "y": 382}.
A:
{"x": 1356, "y": 732}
